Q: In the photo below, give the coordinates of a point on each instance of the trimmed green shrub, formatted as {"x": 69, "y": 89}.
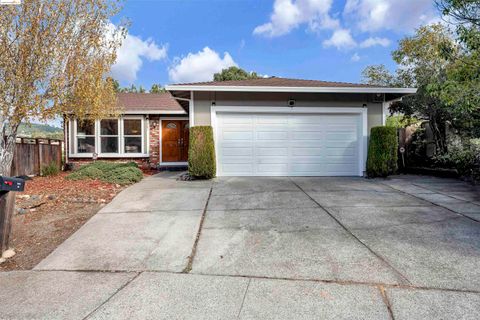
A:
{"x": 111, "y": 172}
{"x": 201, "y": 153}
{"x": 382, "y": 152}
{"x": 50, "y": 170}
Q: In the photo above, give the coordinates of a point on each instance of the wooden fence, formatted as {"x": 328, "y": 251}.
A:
{"x": 31, "y": 155}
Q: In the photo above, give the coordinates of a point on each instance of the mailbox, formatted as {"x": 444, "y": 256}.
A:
{"x": 11, "y": 184}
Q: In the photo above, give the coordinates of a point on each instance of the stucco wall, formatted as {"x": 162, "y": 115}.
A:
{"x": 203, "y": 102}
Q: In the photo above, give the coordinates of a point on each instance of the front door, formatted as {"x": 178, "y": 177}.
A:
{"x": 175, "y": 140}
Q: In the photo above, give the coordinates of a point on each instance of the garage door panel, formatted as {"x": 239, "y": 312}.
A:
{"x": 308, "y": 151}
{"x": 237, "y": 135}
{"x": 271, "y": 135}
{"x": 237, "y": 152}
{"x": 293, "y": 144}
{"x": 307, "y": 135}
{"x": 271, "y": 151}
{"x": 340, "y": 152}
{"x": 238, "y": 169}
{"x": 237, "y": 119}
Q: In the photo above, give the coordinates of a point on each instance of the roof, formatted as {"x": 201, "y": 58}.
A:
{"x": 275, "y": 84}
{"x": 149, "y": 103}
{"x": 278, "y": 82}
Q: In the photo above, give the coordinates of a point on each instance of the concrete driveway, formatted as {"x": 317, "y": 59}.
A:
{"x": 265, "y": 248}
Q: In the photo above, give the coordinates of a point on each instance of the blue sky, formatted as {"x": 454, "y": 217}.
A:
{"x": 180, "y": 41}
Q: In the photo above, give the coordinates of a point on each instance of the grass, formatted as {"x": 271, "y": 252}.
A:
{"x": 111, "y": 172}
{"x": 49, "y": 170}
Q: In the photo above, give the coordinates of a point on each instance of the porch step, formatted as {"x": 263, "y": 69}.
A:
{"x": 170, "y": 167}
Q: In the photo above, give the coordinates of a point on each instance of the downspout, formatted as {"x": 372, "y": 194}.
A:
{"x": 65, "y": 139}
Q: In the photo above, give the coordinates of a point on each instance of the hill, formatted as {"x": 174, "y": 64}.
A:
{"x": 36, "y": 130}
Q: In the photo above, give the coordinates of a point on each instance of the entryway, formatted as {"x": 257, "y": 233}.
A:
{"x": 175, "y": 138}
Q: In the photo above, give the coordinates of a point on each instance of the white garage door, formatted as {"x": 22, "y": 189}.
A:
{"x": 251, "y": 144}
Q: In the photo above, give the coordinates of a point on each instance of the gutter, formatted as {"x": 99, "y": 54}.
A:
{"x": 291, "y": 89}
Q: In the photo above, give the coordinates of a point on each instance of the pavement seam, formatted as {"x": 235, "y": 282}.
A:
{"x": 433, "y": 203}
{"x": 244, "y": 297}
{"x": 381, "y": 258}
{"x": 191, "y": 257}
{"x": 114, "y": 294}
{"x": 387, "y": 302}
{"x": 326, "y": 281}
{"x": 446, "y": 194}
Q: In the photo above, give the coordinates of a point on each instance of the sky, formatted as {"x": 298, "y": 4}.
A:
{"x": 178, "y": 41}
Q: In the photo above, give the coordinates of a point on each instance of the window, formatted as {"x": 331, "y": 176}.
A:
{"x": 132, "y": 135}
{"x": 109, "y": 136}
{"x": 85, "y": 136}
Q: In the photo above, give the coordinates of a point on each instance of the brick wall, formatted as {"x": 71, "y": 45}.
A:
{"x": 154, "y": 136}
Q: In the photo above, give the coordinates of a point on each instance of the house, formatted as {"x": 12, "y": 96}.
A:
{"x": 153, "y": 129}
{"x": 288, "y": 127}
{"x": 262, "y": 127}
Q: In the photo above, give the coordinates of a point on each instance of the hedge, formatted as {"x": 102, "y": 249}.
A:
{"x": 201, "y": 153}
{"x": 382, "y": 152}
{"x": 111, "y": 172}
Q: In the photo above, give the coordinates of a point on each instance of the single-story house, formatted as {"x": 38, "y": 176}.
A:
{"x": 153, "y": 129}
{"x": 262, "y": 127}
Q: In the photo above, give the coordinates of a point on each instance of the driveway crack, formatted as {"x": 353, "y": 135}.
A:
{"x": 113, "y": 294}
{"x": 381, "y": 258}
{"x": 191, "y": 257}
{"x": 384, "y": 295}
{"x": 244, "y": 297}
{"x": 434, "y": 203}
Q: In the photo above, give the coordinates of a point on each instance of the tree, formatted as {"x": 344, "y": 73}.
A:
{"x": 157, "y": 88}
{"x": 462, "y": 83}
{"x": 465, "y": 15}
{"x": 115, "y": 84}
{"x": 55, "y": 56}
{"x": 422, "y": 64}
{"x": 234, "y": 73}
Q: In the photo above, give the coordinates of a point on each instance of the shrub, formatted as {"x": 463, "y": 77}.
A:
{"x": 50, "y": 170}
{"x": 111, "y": 172}
{"x": 382, "y": 152}
{"x": 463, "y": 155}
{"x": 201, "y": 153}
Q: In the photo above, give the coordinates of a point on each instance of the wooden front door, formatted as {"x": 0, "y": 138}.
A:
{"x": 175, "y": 136}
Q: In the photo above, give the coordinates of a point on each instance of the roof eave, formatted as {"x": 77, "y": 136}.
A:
{"x": 292, "y": 89}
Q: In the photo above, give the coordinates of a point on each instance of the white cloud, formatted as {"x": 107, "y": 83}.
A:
{"x": 375, "y": 41}
{"x": 355, "y": 57}
{"x": 341, "y": 39}
{"x": 200, "y": 66}
{"x": 398, "y": 15}
{"x": 289, "y": 14}
{"x": 131, "y": 54}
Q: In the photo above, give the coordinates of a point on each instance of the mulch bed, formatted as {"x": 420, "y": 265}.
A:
{"x": 49, "y": 211}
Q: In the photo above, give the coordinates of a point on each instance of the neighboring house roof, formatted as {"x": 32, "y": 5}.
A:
{"x": 275, "y": 84}
{"x": 149, "y": 103}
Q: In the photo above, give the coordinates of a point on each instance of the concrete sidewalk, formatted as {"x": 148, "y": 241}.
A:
{"x": 265, "y": 248}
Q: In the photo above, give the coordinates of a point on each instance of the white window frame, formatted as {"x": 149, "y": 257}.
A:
{"x": 73, "y": 125}
{"x": 100, "y": 136}
{"x": 123, "y": 136}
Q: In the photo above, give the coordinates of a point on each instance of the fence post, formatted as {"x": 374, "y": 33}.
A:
{"x": 7, "y": 201}
{"x": 40, "y": 160}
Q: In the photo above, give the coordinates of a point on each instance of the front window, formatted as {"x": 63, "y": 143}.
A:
{"x": 86, "y": 136}
{"x": 109, "y": 136}
{"x": 132, "y": 135}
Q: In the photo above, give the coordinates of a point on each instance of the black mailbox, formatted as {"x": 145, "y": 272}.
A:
{"x": 11, "y": 184}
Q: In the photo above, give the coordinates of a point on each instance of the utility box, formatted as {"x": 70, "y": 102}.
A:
{"x": 8, "y": 184}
